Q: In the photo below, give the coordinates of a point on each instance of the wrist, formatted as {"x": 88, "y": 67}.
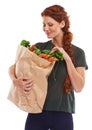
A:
{"x": 67, "y": 59}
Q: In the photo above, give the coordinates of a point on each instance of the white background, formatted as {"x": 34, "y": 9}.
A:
{"x": 20, "y": 19}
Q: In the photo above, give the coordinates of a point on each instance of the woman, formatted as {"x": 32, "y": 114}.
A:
{"x": 66, "y": 77}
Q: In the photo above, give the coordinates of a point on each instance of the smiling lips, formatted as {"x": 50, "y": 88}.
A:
{"x": 48, "y": 33}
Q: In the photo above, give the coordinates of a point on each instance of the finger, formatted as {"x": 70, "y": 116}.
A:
{"x": 28, "y": 89}
{"x": 29, "y": 85}
{"x": 54, "y": 49}
{"x": 26, "y": 78}
{"x": 28, "y": 82}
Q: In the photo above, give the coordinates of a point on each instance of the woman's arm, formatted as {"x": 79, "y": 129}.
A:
{"x": 12, "y": 72}
{"x": 77, "y": 75}
{"x": 24, "y": 83}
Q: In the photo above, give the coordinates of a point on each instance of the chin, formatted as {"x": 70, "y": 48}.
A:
{"x": 49, "y": 37}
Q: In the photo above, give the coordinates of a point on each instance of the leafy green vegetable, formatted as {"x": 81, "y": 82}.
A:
{"x": 25, "y": 43}
{"x": 46, "y": 51}
{"x": 37, "y": 51}
{"x": 57, "y": 54}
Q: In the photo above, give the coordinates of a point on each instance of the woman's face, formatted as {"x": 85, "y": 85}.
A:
{"x": 51, "y": 27}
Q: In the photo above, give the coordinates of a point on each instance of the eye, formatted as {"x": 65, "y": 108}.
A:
{"x": 50, "y": 24}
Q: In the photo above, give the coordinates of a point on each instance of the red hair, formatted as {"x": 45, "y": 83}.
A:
{"x": 59, "y": 14}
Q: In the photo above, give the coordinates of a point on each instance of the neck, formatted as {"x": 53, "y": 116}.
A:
{"x": 58, "y": 41}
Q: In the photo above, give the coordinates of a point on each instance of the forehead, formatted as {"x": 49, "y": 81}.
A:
{"x": 48, "y": 19}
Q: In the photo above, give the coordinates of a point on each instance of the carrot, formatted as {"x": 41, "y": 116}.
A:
{"x": 51, "y": 59}
{"x": 32, "y": 48}
{"x": 43, "y": 55}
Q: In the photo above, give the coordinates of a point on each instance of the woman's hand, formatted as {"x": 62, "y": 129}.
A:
{"x": 24, "y": 83}
{"x": 65, "y": 55}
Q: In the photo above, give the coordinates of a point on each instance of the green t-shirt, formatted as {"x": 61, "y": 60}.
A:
{"x": 56, "y": 99}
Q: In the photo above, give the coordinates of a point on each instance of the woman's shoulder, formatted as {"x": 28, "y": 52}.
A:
{"x": 77, "y": 49}
{"x": 80, "y": 58}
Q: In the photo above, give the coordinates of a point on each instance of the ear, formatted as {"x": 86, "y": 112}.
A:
{"x": 62, "y": 24}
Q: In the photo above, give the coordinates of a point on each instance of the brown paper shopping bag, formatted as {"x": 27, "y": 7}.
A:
{"x": 31, "y": 65}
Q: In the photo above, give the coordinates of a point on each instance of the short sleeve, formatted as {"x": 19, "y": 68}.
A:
{"x": 80, "y": 58}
